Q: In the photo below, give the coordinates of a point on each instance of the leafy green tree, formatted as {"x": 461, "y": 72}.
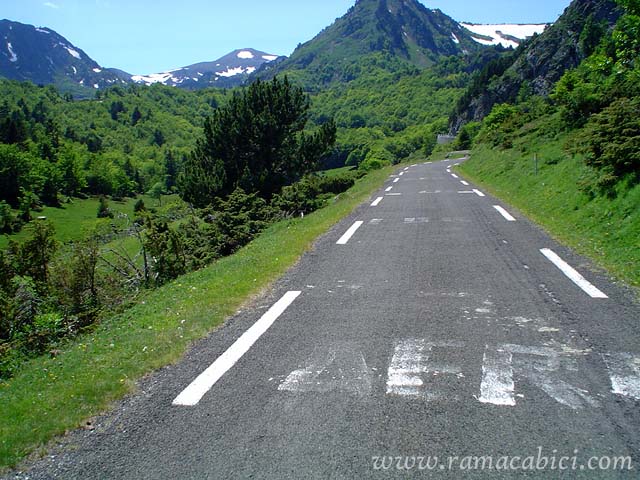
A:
{"x": 38, "y": 250}
{"x": 14, "y": 169}
{"x": 156, "y": 192}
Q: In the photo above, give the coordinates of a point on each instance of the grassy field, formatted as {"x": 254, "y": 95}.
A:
{"x": 603, "y": 228}
{"x": 52, "y": 395}
{"x": 73, "y": 220}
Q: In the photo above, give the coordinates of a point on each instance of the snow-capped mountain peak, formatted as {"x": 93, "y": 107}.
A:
{"x": 228, "y": 71}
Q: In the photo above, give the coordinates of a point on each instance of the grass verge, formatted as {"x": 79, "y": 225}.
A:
{"x": 606, "y": 229}
{"x": 52, "y": 395}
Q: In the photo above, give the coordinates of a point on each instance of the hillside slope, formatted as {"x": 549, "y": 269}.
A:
{"x": 538, "y": 64}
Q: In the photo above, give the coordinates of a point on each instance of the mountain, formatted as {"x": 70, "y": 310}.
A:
{"x": 401, "y": 29}
{"x": 539, "y": 64}
{"x": 228, "y": 71}
{"x": 42, "y": 56}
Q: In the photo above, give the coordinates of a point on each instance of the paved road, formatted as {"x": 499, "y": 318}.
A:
{"x": 436, "y": 327}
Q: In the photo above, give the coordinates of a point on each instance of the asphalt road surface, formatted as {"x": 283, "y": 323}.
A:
{"x": 428, "y": 335}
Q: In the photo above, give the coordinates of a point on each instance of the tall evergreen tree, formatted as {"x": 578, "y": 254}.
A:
{"x": 256, "y": 142}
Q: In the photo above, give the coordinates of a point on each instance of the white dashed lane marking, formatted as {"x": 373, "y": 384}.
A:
{"x": 573, "y": 274}
{"x": 192, "y": 395}
{"x": 466, "y": 184}
{"x": 349, "y": 233}
{"x": 478, "y": 192}
{"x": 504, "y": 213}
{"x": 377, "y": 201}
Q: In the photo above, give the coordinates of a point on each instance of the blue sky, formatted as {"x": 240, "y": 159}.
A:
{"x": 148, "y": 36}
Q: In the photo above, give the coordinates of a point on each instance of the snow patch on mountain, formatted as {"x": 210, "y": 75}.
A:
{"x": 244, "y": 54}
{"x": 152, "y": 78}
{"x": 13, "y": 57}
{"x": 503, "y": 34}
{"x": 72, "y": 52}
{"x": 43, "y": 31}
{"x": 269, "y": 58}
{"x": 231, "y": 72}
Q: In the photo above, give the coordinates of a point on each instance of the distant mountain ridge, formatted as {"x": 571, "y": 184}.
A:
{"x": 403, "y": 30}
{"x": 42, "y": 56}
{"x": 228, "y": 71}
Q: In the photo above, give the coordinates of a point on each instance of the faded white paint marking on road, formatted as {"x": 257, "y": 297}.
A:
{"x": 624, "y": 372}
{"x": 478, "y": 192}
{"x": 349, "y": 233}
{"x": 406, "y": 169}
{"x": 191, "y": 395}
{"x": 393, "y": 195}
{"x": 416, "y": 220}
{"x": 464, "y": 183}
{"x": 375, "y": 221}
{"x": 455, "y": 176}
{"x": 539, "y": 365}
{"x": 340, "y": 368}
{"x": 396, "y": 180}
{"x": 377, "y": 201}
{"x": 410, "y": 363}
{"x": 497, "y": 385}
{"x": 389, "y": 189}
{"x": 407, "y": 364}
{"x": 573, "y": 274}
{"x": 504, "y": 213}
{"x": 434, "y": 192}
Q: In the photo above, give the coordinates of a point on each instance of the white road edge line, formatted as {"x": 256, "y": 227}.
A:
{"x": 389, "y": 189}
{"x": 504, "y": 213}
{"x": 192, "y": 395}
{"x": 573, "y": 274}
{"x": 349, "y": 233}
{"x": 396, "y": 180}
{"x": 466, "y": 184}
{"x": 454, "y": 176}
{"x": 377, "y": 201}
{"x": 478, "y": 192}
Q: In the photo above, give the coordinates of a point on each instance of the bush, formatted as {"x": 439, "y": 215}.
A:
{"x": 103, "y": 209}
{"x": 611, "y": 142}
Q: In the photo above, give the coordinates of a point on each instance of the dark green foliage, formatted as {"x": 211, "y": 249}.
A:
{"x": 256, "y": 142}
{"x": 103, "y": 209}
{"x": 611, "y": 141}
{"x": 166, "y": 249}
{"x": 310, "y": 193}
{"x": 139, "y": 206}
{"x": 36, "y": 253}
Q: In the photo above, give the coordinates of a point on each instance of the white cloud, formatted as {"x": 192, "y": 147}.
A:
{"x": 51, "y": 5}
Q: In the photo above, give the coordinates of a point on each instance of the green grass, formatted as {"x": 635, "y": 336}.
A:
{"x": 73, "y": 220}
{"x": 604, "y": 229}
{"x": 52, "y": 395}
